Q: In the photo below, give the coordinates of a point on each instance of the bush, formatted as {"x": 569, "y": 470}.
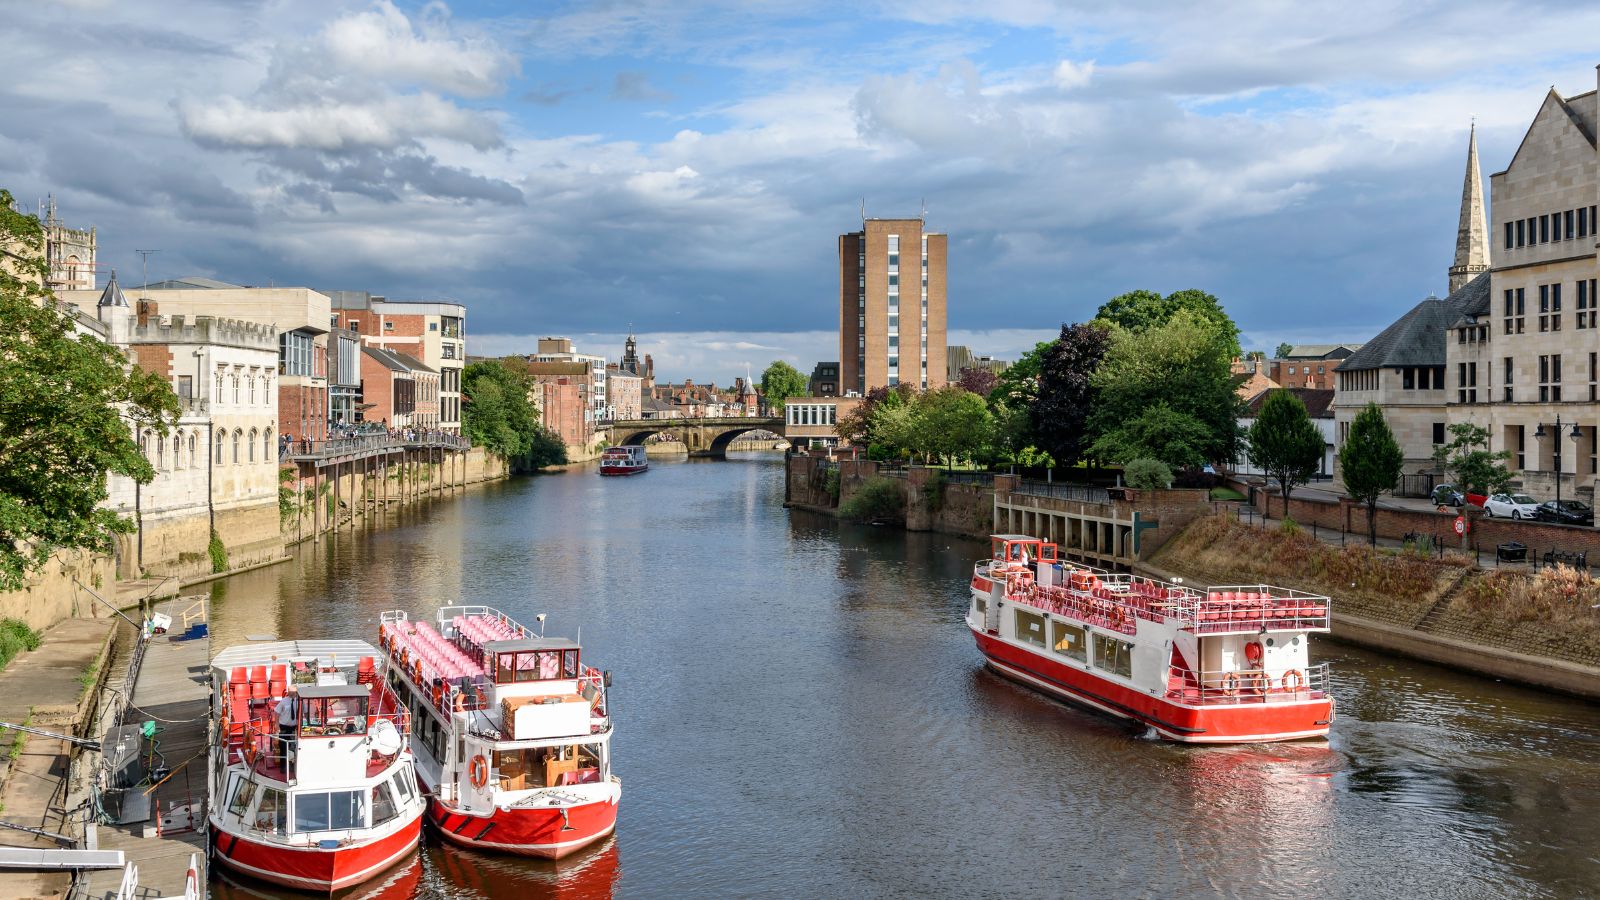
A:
{"x": 219, "y": 554}
{"x": 1195, "y": 478}
{"x": 831, "y": 485}
{"x": 879, "y": 500}
{"x": 1147, "y": 474}
{"x": 15, "y": 637}
{"x": 933, "y": 489}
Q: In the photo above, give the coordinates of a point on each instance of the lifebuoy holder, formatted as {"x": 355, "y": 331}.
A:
{"x": 478, "y": 771}
{"x": 1299, "y": 680}
{"x": 1230, "y": 684}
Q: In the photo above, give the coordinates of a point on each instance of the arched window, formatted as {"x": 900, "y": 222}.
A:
{"x": 266, "y": 445}
{"x": 161, "y": 451}
{"x": 236, "y": 388}
{"x": 251, "y": 449}
{"x": 192, "y": 461}
{"x": 177, "y": 450}
{"x": 250, "y": 379}
{"x": 222, "y": 435}
{"x": 236, "y": 448}
{"x": 219, "y": 387}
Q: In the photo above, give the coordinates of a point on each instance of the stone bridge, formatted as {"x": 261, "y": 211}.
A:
{"x": 703, "y": 437}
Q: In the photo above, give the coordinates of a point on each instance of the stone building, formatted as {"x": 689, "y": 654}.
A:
{"x": 69, "y": 251}
{"x": 1513, "y": 347}
{"x": 561, "y": 350}
{"x": 625, "y": 391}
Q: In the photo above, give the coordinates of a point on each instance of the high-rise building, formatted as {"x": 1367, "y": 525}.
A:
{"x": 891, "y": 306}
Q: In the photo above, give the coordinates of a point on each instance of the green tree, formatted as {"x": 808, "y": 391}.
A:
{"x": 1143, "y": 310}
{"x": 67, "y": 399}
{"x": 892, "y": 427}
{"x": 1183, "y": 365}
{"x": 1065, "y": 397}
{"x": 1370, "y": 462}
{"x": 1284, "y": 351}
{"x": 780, "y": 382}
{"x": 1157, "y": 432}
{"x": 1147, "y": 474}
{"x": 1285, "y": 443}
{"x": 1470, "y": 463}
{"x": 950, "y": 423}
{"x": 855, "y": 426}
{"x": 1018, "y": 385}
{"x": 498, "y": 414}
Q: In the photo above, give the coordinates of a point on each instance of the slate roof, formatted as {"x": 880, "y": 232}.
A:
{"x": 1319, "y": 402}
{"x": 1418, "y": 337}
{"x": 190, "y": 283}
{"x": 395, "y": 361}
{"x": 1320, "y": 351}
{"x": 112, "y": 295}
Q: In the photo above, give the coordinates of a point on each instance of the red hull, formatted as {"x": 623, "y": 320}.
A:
{"x": 310, "y": 868}
{"x": 622, "y": 470}
{"x": 526, "y": 832}
{"x": 1245, "y": 723}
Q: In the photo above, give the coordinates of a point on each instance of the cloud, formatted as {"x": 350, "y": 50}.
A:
{"x": 332, "y": 125}
{"x": 635, "y": 86}
{"x": 384, "y": 44}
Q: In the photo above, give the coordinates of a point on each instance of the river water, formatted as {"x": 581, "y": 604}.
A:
{"x": 801, "y": 713}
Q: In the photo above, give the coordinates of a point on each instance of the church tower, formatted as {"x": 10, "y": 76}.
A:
{"x": 1472, "y": 235}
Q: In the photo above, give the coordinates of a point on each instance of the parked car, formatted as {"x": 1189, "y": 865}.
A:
{"x": 1566, "y": 512}
{"x": 1514, "y": 506}
{"x": 1447, "y": 495}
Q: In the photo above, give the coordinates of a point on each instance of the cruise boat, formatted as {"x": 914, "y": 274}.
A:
{"x": 326, "y": 802}
{"x": 625, "y": 460}
{"x": 513, "y": 731}
{"x": 1227, "y": 665}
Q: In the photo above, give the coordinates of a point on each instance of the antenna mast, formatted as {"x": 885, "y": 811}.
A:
{"x": 145, "y": 255}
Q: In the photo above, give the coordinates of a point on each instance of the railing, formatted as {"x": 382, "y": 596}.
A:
{"x": 1250, "y": 686}
{"x": 980, "y": 478}
{"x": 1080, "y": 492}
{"x": 1116, "y": 602}
{"x": 361, "y": 443}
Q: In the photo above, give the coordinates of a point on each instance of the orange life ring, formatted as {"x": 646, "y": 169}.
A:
{"x": 1230, "y": 684}
{"x": 1299, "y": 680}
{"x": 478, "y": 771}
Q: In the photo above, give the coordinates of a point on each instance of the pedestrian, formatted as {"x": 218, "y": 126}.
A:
{"x": 285, "y": 710}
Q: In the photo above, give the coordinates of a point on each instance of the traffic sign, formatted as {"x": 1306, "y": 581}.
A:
{"x": 1461, "y": 525}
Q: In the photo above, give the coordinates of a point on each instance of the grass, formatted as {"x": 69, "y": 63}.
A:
{"x": 19, "y": 740}
{"x": 1555, "y": 607}
{"x": 1223, "y": 493}
{"x": 88, "y": 677}
{"x": 15, "y": 637}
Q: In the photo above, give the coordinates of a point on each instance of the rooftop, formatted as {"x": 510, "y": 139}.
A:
{"x": 1418, "y": 337}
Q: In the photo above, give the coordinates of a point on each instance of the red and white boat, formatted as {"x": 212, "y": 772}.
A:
{"x": 624, "y": 460}
{"x": 327, "y": 802}
{"x": 1226, "y": 666}
{"x": 513, "y": 734}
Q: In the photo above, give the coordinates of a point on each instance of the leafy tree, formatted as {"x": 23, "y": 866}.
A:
{"x": 1470, "y": 463}
{"x": 892, "y": 427}
{"x": 1013, "y": 435}
{"x": 1147, "y": 474}
{"x": 1143, "y": 310}
{"x": 1065, "y": 397}
{"x": 856, "y": 425}
{"x": 1256, "y": 356}
{"x": 1370, "y": 462}
{"x": 498, "y": 414}
{"x": 1285, "y": 443}
{"x": 979, "y": 381}
{"x": 1158, "y": 432}
{"x": 1284, "y": 351}
{"x": 66, "y": 399}
{"x": 780, "y": 382}
{"x": 1183, "y": 365}
{"x": 949, "y": 422}
{"x": 1018, "y": 385}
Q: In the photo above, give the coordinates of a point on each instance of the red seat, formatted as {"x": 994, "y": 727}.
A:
{"x": 239, "y": 675}
{"x": 260, "y": 690}
{"x": 258, "y": 674}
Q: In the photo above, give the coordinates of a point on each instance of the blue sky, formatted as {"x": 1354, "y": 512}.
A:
{"x": 684, "y": 167}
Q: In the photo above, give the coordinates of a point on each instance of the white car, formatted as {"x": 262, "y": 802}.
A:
{"x": 1515, "y": 506}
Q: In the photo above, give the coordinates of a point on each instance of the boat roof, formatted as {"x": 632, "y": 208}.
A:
{"x": 268, "y": 652}
{"x": 315, "y": 691}
{"x": 1013, "y": 537}
{"x": 513, "y": 646}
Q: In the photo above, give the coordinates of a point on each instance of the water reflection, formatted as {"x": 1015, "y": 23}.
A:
{"x": 801, "y": 712}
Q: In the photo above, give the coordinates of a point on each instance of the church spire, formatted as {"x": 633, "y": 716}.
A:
{"x": 1472, "y": 235}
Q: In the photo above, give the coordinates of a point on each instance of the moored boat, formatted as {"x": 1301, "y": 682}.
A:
{"x": 1228, "y": 665}
{"x": 311, "y": 778}
{"x": 513, "y": 732}
{"x": 628, "y": 459}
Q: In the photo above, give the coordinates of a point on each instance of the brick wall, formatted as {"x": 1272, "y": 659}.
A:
{"x": 302, "y": 409}
{"x": 153, "y": 358}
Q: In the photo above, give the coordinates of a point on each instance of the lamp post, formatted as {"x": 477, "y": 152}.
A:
{"x": 1576, "y": 435}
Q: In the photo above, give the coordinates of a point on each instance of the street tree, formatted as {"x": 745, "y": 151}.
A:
{"x": 780, "y": 382}
{"x": 855, "y": 426}
{"x": 1143, "y": 310}
{"x": 68, "y": 403}
{"x": 1065, "y": 399}
{"x": 1470, "y": 463}
{"x": 1370, "y": 462}
{"x": 949, "y": 423}
{"x": 1285, "y": 443}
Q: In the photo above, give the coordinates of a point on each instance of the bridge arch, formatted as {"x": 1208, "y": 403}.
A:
{"x": 702, "y": 437}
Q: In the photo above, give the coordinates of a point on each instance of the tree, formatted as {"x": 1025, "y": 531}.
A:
{"x": 1256, "y": 356}
{"x": 1147, "y": 474}
{"x": 949, "y": 422}
{"x": 780, "y": 382}
{"x": 1468, "y": 460}
{"x": 1158, "y": 432}
{"x": 1143, "y": 310}
{"x": 68, "y": 398}
{"x": 855, "y": 426}
{"x": 979, "y": 381}
{"x": 1284, "y": 351}
{"x": 1370, "y": 462}
{"x": 1065, "y": 393}
{"x": 1018, "y": 385}
{"x": 497, "y": 414}
{"x": 1285, "y": 443}
{"x": 1184, "y": 365}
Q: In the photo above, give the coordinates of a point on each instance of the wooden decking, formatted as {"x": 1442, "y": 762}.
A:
{"x": 172, "y": 690}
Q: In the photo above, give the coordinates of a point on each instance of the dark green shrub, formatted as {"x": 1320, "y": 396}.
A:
{"x": 219, "y": 554}
{"x": 879, "y": 500}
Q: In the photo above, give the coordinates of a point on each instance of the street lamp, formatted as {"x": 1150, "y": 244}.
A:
{"x": 1576, "y": 435}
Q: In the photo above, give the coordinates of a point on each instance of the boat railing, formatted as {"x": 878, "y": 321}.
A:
{"x": 1256, "y": 607}
{"x": 1248, "y": 686}
{"x": 1116, "y": 600}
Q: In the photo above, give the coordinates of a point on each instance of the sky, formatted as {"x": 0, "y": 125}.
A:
{"x": 682, "y": 169}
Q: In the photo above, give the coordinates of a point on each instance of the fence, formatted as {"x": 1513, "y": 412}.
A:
{"x": 980, "y": 478}
{"x": 1081, "y": 492}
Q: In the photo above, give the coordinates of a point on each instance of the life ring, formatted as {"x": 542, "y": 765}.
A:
{"x": 461, "y": 701}
{"x": 250, "y": 754}
{"x": 1252, "y": 651}
{"x": 478, "y": 771}
{"x": 1230, "y": 684}
{"x": 1299, "y": 680}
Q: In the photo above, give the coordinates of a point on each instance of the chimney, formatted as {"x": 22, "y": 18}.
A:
{"x": 147, "y": 311}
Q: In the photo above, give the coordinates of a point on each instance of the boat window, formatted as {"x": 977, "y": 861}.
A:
{"x": 332, "y": 811}
{"x": 383, "y": 808}
{"x": 402, "y": 785}
{"x": 272, "y": 813}
{"x": 1030, "y": 627}
{"x": 569, "y": 664}
{"x": 981, "y": 603}
{"x": 505, "y": 666}
{"x": 323, "y": 716}
{"x": 1068, "y": 640}
{"x": 244, "y": 791}
{"x": 1113, "y": 655}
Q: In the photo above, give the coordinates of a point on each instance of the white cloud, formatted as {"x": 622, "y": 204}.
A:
{"x": 332, "y": 125}
{"x": 382, "y": 43}
{"x": 1071, "y": 76}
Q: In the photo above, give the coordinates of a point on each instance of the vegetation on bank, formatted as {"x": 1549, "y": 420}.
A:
{"x": 1553, "y": 609}
{"x": 497, "y": 413}
{"x": 72, "y": 405}
{"x": 15, "y": 637}
{"x": 878, "y": 500}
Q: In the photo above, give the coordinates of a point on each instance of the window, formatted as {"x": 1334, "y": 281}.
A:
{"x": 1438, "y": 432}
{"x": 1068, "y": 640}
{"x": 251, "y": 448}
{"x": 1509, "y": 233}
{"x": 294, "y": 353}
{"x": 332, "y": 811}
{"x": 1566, "y": 218}
{"x": 192, "y": 460}
{"x": 186, "y": 386}
{"x": 1510, "y": 369}
{"x": 1593, "y": 381}
{"x": 433, "y": 326}
{"x": 1585, "y": 305}
{"x": 161, "y": 451}
{"x": 1583, "y": 222}
{"x": 1030, "y": 628}
{"x": 355, "y": 325}
{"x": 1113, "y": 656}
{"x": 1519, "y": 233}
{"x": 1550, "y": 378}
{"x": 1544, "y": 229}
{"x": 177, "y": 450}
{"x": 244, "y": 791}
{"x": 236, "y": 448}
{"x": 388, "y": 326}
{"x": 235, "y": 382}
{"x": 383, "y": 806}
{"x": 221, "y": 436}
{"x": 273, "y": 812}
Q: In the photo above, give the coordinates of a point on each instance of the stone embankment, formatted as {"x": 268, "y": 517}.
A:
{"x": 930, "y": 501}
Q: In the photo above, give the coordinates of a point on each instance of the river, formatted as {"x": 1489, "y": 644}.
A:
{"x": 801, "y": 713}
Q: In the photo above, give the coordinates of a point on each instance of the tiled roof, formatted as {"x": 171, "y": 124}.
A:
{"x": 1418, "y": 337}
{"x": 1319, "y": 402}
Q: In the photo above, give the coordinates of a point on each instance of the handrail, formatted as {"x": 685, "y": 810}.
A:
{"x": 1281, "y": 685}
{"x": 1116, "y": 601}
